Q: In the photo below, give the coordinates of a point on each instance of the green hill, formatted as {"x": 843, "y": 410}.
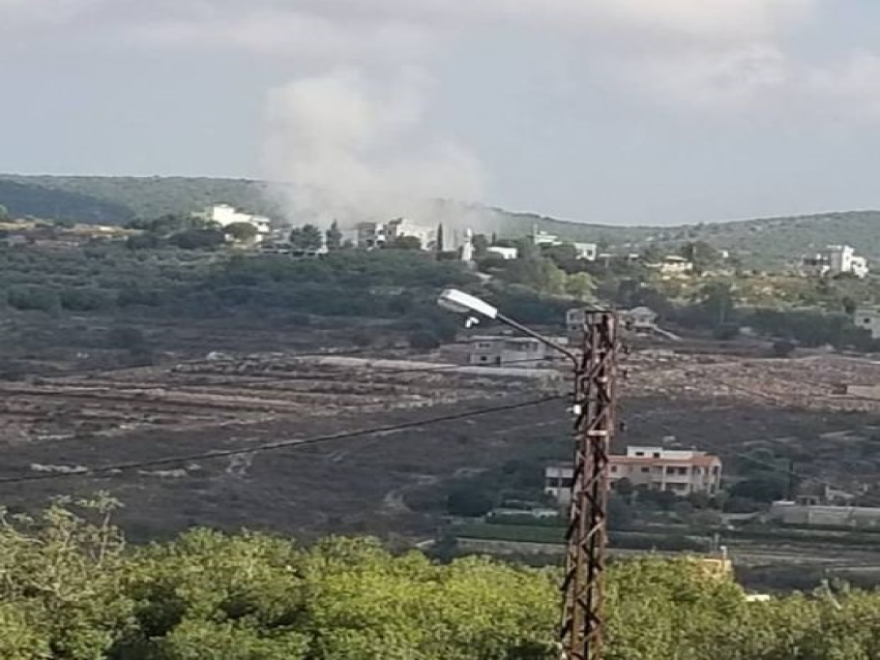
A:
{"x": 765, "y": 242}
{"x": 29, "y": 199}
{"x": 771, "y": 242}
{"x": 141, "y": 197}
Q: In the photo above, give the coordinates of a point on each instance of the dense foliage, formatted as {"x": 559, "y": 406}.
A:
{"x": 138, "y": 197}
{"x": 27, "y": 199}
{"x": 177, "y": 266}
{"x": 72, "y": 590}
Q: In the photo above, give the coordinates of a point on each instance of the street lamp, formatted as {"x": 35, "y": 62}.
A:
{"x": 595, "y": 403}
{"x": 460, "y": 302}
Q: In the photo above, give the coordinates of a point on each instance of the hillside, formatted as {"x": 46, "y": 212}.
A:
{"x": 764, "y": 242}
{"x": 31, "y": 199}
{"x": 135, "y": 197}
{"x": 770, "y": 242}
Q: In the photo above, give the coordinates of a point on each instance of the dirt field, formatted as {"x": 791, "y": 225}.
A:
{"x": 61, "y": 426}
{"x": 85, "y": 418}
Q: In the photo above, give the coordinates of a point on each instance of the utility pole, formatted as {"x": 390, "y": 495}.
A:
{"x": 595, "y": 406}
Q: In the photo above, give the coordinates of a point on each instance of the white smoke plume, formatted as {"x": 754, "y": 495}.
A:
{"x": 343, "y": 147}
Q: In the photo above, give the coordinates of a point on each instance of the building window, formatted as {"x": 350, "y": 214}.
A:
{"x": 614, "y": 469}
{"x": 670, "y": 470}
{"x": 683, "y": 470}
{"x": 656, "y": 454}
{"x": 646, "y": 470}
{"x": 640, "y": 453}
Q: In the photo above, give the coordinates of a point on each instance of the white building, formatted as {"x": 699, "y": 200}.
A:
{"x": 792, "y": 513}
{"x": 500, "y": 351}
{"x": 835, "y": 260}
{"x": 674, "y": 265}
{"x": 226, "y": 215}
{"x": 586, "y": 251}
{"x": 540, "y": 237}
{"x": 371, "y": 235}
{"x": 506, "y": 253}
{"x": 679, "y": 471}
{"x": 867, "y": 317}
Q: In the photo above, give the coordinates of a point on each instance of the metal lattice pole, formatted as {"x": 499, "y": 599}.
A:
{"x": 595, "y": 403}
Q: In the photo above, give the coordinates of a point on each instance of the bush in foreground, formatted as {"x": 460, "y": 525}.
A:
{"x": 72, "y": 590}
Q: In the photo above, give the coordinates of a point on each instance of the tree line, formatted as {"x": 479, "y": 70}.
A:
{"x": 73, "y": 590}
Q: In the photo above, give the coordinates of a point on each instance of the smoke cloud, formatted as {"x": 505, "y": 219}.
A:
{"x": 344, "y": 147}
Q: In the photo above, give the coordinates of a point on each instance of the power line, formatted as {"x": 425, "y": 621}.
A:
{"x": 274, "y": 446}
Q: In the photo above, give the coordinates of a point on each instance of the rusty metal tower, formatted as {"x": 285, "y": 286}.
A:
{"x": 595, "y": 400}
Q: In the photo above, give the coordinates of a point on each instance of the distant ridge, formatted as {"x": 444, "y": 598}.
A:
{"x": 761, "y": 243}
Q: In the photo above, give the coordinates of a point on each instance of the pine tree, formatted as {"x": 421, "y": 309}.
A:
{"x": 440, "y": 238}
{"x": 334, "y": 237}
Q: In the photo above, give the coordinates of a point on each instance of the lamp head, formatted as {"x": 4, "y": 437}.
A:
{"x": 460, "y": 302}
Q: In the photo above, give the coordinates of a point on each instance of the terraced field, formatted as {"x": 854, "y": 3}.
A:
{"x": 62, "y": 427}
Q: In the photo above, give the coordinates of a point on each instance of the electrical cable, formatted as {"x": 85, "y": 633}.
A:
{"x": 274, "y": 446}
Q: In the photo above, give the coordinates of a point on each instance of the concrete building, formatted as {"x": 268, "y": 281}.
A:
{"x": 540, "y": 237}
{"x": 225, "y": 215}
{"x": 641, "y": 320}
{"x": 835, "y": 260}
{"x": 586, "y": 251}
{"x": 371, "y": 235}
{"x": 792, "y": 513}
{"x": 558, "y": 480}
{"x": 574, "y": 322}
{"x": 861, "y": 391}
{"x": 506, "y": 253}
{"x": 673, "y": 265}
{"x": 679, "y": 471}
{"x": 867, "y": 317}
{"x": 523, "y": 352}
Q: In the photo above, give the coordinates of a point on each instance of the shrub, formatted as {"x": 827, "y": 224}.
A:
{"x": 34, "y": 298}
{"x": 423, "y": 340}
{"x": 469, "y": 501}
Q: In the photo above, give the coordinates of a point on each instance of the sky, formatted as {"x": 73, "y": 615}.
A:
{"x": 611, "y": 111}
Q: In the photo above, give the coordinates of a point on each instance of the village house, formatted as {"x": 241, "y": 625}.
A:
{"x": 226, "y": 215}
{"x": 499, "y": 351}
{"x": 506, "y": 253}
{"x": 867, "y": 317}
{"x": 679, "y": 471}
{"x": 583, "y": 251}
{"x": 673, "y": 266}
{"x": 586, "y": 251}
{"x": 835, "y": 260}
{"x": 371, "y": 235}
{"x": 639, "y": 320}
